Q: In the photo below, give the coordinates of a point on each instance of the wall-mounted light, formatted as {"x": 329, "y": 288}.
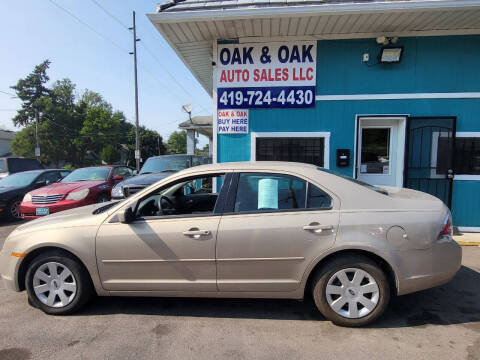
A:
{"x": 390, "y": 55}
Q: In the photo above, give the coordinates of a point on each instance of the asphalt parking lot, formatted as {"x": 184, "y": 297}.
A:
{"x": 441, "y": 323}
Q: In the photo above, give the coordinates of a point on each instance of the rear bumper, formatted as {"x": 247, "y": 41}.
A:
{"x": 28, "y": 209}
{"x": 424, "y": 269}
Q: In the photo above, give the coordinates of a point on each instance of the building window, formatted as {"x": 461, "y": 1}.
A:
{"x": 305, "y": 150}
{"x": 467, "y": 155}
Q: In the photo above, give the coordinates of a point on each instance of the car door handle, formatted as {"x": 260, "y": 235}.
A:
{"x": 196, "y": 232}
{"x": 317, "y": 227}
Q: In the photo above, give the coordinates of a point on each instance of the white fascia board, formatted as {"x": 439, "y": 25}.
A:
{"x": 311, "y": 10}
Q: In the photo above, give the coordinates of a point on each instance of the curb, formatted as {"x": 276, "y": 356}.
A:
{"x": 468, "y": 243}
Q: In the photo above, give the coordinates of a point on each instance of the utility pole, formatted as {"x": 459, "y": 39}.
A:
{"x": 137, "y": 140}
{"x": 37, "y": 146}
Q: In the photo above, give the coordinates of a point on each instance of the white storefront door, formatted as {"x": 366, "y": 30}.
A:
{"x": 380, "y": 156}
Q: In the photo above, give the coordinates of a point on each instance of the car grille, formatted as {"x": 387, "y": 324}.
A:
{"x": 47, "y": 199}
{"x": 130, "y": 190}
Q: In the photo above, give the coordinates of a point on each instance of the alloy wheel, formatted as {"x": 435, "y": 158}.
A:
{"x": 352, "y": 293}
{"x": 54, "y": 284}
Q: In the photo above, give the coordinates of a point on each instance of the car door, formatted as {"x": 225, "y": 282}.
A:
{"x": 277, "y": 225}
{"x": 158, "y": 252}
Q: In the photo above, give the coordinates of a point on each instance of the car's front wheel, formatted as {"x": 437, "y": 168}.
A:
{"x": 14, "y": 209}
{"x": 351, "y": 290}
{"x": 57, "y": 283}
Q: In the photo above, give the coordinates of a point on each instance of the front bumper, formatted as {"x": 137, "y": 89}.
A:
{"x": 427, "y": 268}
{"x": 28, "y": 209}
{"x": 9, "y": 266}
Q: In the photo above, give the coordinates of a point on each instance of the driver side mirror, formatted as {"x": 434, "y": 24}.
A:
{"x": 126, "y": 215}
{"x": 118, "y": 177}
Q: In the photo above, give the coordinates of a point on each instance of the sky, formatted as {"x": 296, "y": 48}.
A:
{"x": 93, "y": 53}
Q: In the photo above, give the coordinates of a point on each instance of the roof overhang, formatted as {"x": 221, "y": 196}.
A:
{"x": 191, "y": 32}
{"x": 201, "y": 124}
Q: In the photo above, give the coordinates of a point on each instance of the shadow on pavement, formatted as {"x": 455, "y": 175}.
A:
{"x": 454, "y": 303}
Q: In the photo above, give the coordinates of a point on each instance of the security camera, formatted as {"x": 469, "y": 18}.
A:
{"x": 381, "y": 40}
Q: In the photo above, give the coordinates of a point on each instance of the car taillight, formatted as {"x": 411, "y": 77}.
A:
{"x": 447, "y": 228}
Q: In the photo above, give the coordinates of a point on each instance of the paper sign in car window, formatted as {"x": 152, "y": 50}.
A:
{"x": 267, "y": 194}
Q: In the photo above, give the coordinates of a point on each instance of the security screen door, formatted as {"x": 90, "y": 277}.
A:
{"x": 305, "y": 150}
{"x": 430, "y": 156}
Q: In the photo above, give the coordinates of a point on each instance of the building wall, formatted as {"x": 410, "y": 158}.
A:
{"x": 429, "y": 65}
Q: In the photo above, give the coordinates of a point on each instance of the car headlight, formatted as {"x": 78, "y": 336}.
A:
{"x": 27, "y": 197}
{"x": 78, "y": 195}
{"x": 117, "y": 192}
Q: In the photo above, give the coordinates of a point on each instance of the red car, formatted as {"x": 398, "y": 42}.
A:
{"x": 81, "y": 187}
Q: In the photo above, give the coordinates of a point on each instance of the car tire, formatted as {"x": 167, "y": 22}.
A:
{"x": 13, "y": 209}
{"x": 103, "y": 198}
{"x": 62, "y": 293}
{"x": 351, "y": 291}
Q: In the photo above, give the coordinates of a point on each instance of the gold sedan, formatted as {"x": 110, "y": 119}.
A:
{"x": 264, "y": 230}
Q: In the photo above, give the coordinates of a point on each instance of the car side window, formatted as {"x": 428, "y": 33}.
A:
{"x": 317, "y": 198}
{"x": 125, "y": 172}
{"x": 51, "y": 177}
{"x": 267, "y": 192}
{"x": 188, "y": 197}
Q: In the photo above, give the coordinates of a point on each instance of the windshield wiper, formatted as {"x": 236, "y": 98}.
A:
{"x": 169, "y": 170}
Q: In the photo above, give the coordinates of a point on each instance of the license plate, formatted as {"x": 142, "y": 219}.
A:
{"x": 41, "y": 211}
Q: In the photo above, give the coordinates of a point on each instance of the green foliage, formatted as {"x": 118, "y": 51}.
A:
{"x": 30, "y": 90}
{"x": 177, "y": 142}
{"x": 110, "y": 154}
{"x": 78, "y": 130}
{"x": 203, "y": 151}
{"x": 69, "y": 167}
{"x": 151, "y": 142}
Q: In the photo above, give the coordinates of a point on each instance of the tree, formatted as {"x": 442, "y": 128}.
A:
{"x": 177, "y": 142}
{"x": 109, "y": 154}
{"x": 151, "y": 143}
{"x": 72, "y": 127}
{"x": 30, "y": 90}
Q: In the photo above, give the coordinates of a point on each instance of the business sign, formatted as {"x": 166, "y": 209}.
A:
{"x": 274, "y": 75}
{"x": 232, "y": 121}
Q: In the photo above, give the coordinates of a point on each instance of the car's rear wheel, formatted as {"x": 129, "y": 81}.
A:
{"x": 14, "y": 209}
{"x": 57, "y": 283}
{"x": 351, "y": 291}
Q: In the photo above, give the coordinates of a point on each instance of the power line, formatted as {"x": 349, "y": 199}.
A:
{"x": 118, "y": 21}
{"x": 8, "y": 93}
{"x": 111, "y": 15}
{"x": 89, "y": 26}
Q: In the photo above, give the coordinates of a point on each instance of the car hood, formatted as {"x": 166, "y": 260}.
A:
{"x": 146, "y": 179}
{"x": 66, "y": 187}
{"x": 81, "y": 216}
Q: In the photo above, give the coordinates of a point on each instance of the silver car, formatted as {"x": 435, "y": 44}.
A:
{"x": 262, "y": 230}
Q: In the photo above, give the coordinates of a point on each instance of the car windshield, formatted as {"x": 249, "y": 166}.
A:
{"x": 19, "y": 179}
{"x": 86, "y": 174}
{"x": 167, "y": 163}
{"x": 358, "y": 182}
